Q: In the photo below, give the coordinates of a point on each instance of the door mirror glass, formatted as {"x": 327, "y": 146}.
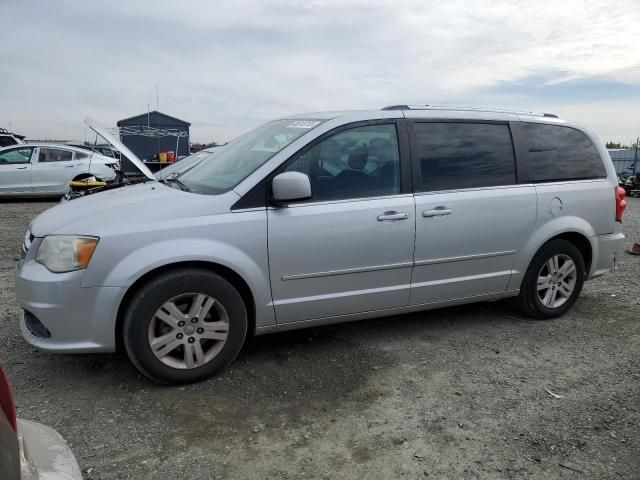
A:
{"x": 291, "y": 186}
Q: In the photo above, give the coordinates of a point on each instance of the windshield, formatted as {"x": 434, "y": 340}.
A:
{"x": 182, "y": 165}
{"x": 227, "y": 167}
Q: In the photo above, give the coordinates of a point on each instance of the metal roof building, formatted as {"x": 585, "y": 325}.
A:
{"x": 150, "y": 133}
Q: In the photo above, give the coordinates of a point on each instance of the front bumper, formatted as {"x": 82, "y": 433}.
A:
{"x": 77, "y": 319}
{"x": 44, "y": 454}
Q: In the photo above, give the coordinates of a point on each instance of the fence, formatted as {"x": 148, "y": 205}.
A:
{"x": 627, "y": 159}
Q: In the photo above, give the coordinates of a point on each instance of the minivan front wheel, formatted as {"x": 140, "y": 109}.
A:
{"x": 553, "y": 280}
{"x": 184, "y": 326}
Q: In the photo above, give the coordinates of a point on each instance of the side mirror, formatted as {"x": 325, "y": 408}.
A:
{"x": 291, "y": 186}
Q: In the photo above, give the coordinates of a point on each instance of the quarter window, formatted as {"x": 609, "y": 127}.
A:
{"x": 356, "y": 163}
{"x": 464, "y": 155}
{"x": 15, "y": 156}
{"x": 561, "y": 153}
{"x": 54, "y": 155}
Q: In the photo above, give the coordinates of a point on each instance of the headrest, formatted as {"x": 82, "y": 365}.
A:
{"x": 358, "y": 158}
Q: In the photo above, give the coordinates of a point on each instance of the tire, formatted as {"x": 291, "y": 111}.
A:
{"x": 174, "y": 313}
{"x": 558, "y": 292}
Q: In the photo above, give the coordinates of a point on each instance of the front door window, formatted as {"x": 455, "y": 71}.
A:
{"x": 357, "y": 163}
{"x": 16, "y": 156}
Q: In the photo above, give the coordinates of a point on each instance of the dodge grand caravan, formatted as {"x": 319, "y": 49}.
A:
{"x": 323, "y": 218}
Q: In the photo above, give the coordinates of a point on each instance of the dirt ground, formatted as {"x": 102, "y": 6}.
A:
{"x": 457, "y": 393}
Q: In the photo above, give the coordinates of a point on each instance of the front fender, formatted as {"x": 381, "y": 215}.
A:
{"x": 541, "y": 235}
{"x": 246, "y": 255}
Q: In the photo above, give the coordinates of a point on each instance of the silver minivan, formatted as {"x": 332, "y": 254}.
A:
{"x": 323, "y": 218}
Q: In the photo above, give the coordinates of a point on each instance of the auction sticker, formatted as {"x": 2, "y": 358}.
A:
{"x": 303, "y": 124}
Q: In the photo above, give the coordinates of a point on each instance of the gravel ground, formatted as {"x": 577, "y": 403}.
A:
{"x": 457, "y": 393}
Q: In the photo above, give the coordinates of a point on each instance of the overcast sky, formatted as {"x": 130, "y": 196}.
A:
{"x": 229, "y": 66}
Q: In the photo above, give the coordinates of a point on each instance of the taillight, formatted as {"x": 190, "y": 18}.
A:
{"x": 6, "y": 401}
{"x": 620, "y": 203}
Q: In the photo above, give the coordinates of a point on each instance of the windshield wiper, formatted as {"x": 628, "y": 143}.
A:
{"x": 174, "y": 179}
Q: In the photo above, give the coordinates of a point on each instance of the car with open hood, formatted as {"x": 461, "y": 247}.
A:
{"x": 323, "y": 218}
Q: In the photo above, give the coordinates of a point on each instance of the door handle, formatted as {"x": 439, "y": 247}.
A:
{"x": 393, "y": 216}
{"x": 437, "y": 212}
{"x": 21, "y": 168}
{"x": 69, "y": 166}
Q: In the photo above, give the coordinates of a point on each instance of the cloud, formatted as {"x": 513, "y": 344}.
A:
{"x": 228, "y": 66}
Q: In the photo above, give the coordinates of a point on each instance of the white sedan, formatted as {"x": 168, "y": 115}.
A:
{"x": 45, "y": 170}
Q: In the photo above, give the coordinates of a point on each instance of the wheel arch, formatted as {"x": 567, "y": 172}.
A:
{"x": 227, "y": 273}
{"x": 82, "y": 176}
{"x": 582, "y": 243}
{"x": 572, "y": 229}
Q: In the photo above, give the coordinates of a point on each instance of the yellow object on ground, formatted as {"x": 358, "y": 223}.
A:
{"x": 163, "y": 157}
{"x": 86, "y": 184}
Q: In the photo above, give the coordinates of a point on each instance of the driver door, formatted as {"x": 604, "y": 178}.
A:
{"x": 349, "y": 248}
{"x": 15, "y": 171}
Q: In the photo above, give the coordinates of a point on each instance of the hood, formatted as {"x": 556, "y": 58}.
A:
{"x": 127, "y": 208}
{"x": 118, "y": 145}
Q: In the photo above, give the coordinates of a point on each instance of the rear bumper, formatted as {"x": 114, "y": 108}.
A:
{"x": 44, "y": 454}
{"x": 607, "y": 252}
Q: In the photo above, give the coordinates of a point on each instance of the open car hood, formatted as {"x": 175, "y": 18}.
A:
{"x": 118, "y": 145}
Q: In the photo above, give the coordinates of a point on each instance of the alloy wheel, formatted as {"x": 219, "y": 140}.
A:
{"x": 556, "y": 281}
{"x": 188, "y": 331}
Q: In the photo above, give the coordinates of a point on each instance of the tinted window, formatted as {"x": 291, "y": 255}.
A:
{"x": 16, "y": 155}
{"x": 356, "y": 163}
{"x": 7, "y": 141}
{"x": 81, "y": 155}
{"x": 561, "y": 153}
{"x": 54, "y": 155}
{"x": 464, "y": 155}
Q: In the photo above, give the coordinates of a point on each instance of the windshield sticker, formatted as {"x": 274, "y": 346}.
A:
{"x": 303, "y": 124}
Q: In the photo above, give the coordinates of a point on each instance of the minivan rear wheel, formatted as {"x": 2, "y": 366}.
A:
{"x": 553, "y": 280}
{"x": 184, "y": 326}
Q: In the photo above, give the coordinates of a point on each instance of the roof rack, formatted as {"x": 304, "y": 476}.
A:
{"x": 472, "y": 109}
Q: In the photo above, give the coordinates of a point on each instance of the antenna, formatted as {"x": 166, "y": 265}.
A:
{"x": 157, "y": 100}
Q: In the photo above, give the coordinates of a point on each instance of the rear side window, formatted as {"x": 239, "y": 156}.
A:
{"x": 54, "y": 155}
{"x": 561, "y": 153}
{"x": 464, "y": 155}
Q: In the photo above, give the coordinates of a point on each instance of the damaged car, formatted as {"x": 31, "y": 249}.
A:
{"x": 45, "y": 170}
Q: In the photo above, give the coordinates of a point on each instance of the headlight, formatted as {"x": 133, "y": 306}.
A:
{"x": 64, "y": 253}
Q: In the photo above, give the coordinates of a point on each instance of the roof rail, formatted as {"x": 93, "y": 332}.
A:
{"x": 471, "y": 109}
{"x": 397, "y": 107}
